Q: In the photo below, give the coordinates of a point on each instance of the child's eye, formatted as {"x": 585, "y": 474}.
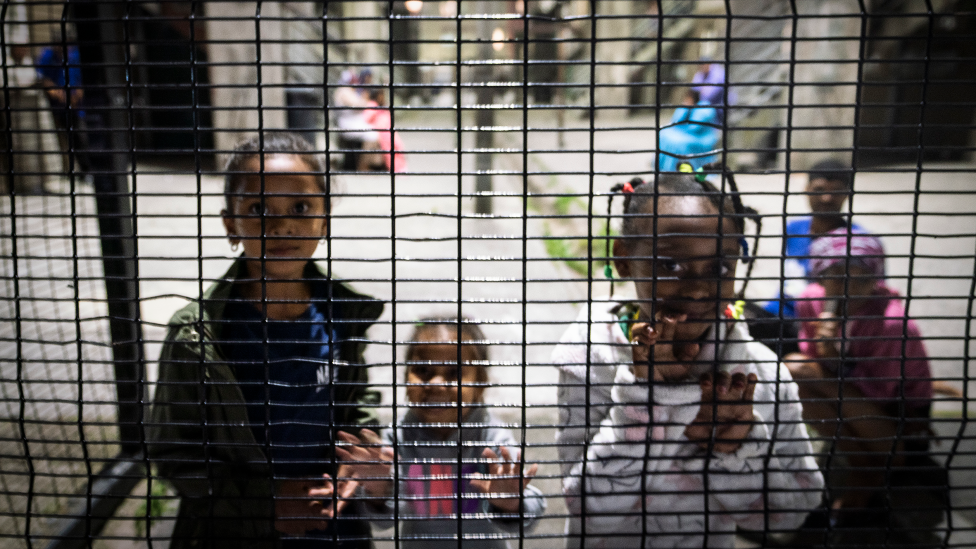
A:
{"x": 421, "y": 371}
{"x": 667, "y": 266}
{"x": 301, "y": 208}
{"x": 255, "y": 209}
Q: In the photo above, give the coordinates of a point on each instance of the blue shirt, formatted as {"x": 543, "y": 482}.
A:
{"x": 285, "y": 383}
{"x": 50, "y": 65}
{"x": 796, "y": 264}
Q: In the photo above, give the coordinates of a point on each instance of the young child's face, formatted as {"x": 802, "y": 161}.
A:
{"x": 856, "y": 289}
{"x": 827, "y": 196}
{"x": 693, "y": 273}
{"x": 434, "y": 380}
{"x": 294, "y": 215}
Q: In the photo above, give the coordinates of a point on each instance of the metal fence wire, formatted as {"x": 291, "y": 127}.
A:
{"x": 528, "y": 273}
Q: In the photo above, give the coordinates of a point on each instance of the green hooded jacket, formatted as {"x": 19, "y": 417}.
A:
{"x": 199, "y": 437}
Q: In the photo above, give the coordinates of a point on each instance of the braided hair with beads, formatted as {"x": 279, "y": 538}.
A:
{"x": 687, "y": 182}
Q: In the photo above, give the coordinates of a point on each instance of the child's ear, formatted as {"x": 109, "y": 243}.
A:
{"x": 620, "y": 258}
{"x": 229, "y": 227}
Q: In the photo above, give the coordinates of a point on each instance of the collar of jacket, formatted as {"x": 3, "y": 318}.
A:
{"x": 357, "y": 307}
{"x": 473, "y": 426}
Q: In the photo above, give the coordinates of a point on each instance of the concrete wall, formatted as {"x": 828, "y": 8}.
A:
{"x": 825, "y": 81}
{"x": 235, "y": 71}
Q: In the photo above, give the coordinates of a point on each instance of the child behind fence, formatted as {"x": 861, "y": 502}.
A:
{"x": 864, "y": 375}
{"x": 676, "y": 427}
{"x": 443, "y": 354}
{"x": 255, "y": 377}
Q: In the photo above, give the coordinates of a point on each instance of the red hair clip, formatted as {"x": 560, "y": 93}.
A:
{"x": 628, "y": 188}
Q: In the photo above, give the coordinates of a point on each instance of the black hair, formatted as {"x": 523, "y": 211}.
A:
{"x": 471, "y": 337}
{"x": 639, "y": 193}
{"x": 832, "y": 169}
{"x": 278, "y": 143}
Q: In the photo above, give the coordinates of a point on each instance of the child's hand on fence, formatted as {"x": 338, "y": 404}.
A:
{"x": 369, "y": 460}
{"x": 503, "y": 479}
{"x": 328, "y": 492}
{"x": 304, "y": 505}
{"x": 828, "y": 331}
{"x": 725, "y": 417}
{"x": 672, "y": 359}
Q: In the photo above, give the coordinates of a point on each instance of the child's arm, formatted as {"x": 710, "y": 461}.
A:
{"x": 767, "y": 478}
{"x": 588, "y": 375}
{"x": 370, "y": 461}
{"x": 503, "y": 479}
{"x": 726, "y": 415}
{"x": 189, "y": 432}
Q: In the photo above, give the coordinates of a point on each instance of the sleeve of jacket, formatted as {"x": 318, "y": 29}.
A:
{"x": 359, "y": 400}
{"x": 584, "y": 402}
{"x": 188, "y": 446}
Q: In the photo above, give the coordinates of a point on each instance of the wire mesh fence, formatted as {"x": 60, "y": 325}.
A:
{"x": 648, "y": 273}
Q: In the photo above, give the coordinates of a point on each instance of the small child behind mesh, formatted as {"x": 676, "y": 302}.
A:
{"x": 675, "y": 426}
{"x": 429, "y": 447}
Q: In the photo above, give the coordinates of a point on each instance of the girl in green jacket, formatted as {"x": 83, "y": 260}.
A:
{"x": 257, "y": 378}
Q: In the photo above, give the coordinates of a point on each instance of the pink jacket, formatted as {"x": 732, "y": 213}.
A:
{"x": 380, "y": 120}
{"x": 881, "y": 341}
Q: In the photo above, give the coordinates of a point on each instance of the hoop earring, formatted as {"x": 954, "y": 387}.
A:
{"x": 234, "y": 246}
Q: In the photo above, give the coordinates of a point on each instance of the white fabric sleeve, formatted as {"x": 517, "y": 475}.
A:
{"x": 772, "y": 481}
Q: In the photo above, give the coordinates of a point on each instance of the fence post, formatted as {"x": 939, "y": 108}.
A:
{"x": 484, "y": 114}
{"x": 101, "y": 48}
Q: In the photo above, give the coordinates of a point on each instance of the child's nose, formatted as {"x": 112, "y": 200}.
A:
{"x": 278, "y": 225}
{"x": 699, "y": 287}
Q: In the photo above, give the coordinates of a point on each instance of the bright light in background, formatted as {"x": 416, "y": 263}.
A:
{"x": 498, "y": 39}
{"x": 448, "y": 9}
{"x": 413, "y": 6}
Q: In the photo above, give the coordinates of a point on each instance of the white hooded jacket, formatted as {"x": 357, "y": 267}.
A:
{"x": 689, "y": 499}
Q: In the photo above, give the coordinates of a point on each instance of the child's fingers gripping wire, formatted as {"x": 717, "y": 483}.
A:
{"x": 726, "y": 414}
{"x": 368, "y": 460}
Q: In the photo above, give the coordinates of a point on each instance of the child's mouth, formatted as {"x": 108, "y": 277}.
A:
{"x": 693, "y": 312}
{"x": 281, "y": 251}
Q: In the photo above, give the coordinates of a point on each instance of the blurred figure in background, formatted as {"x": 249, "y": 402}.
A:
{"x": 356, "y": 135}
{"x": 829, "y": 185}
{"x": 691, "y": 137}
{"x": 865, "y": 381}
{"x": 59, "y": 75}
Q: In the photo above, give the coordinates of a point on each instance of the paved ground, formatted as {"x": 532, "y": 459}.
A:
{"x": 398, "y": 239}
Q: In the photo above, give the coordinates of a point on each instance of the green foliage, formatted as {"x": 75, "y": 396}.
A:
{"x": 158, "y": 504}
{"x": 572, "y": 252}
{"x": 564, "y": 204}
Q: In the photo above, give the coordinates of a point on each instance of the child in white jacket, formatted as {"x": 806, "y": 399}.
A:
{"x": 676, "y": 427}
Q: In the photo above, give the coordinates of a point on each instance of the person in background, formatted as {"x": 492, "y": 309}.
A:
{"x": 709, "y": 83}
{"x": 862, "y": 369}
{"x": 692, "y": 136}
{"x": 829, "y": 185}
{"x": 356, "y": 136}
{"x": 495, "y": 501}
{"x": 380, "y": 118}
{"x": 59, "y": 75}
